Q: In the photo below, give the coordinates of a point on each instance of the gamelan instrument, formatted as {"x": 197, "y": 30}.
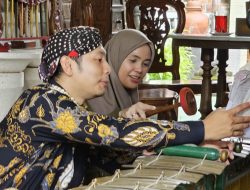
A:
{"x": 162, "y": 172}
{"x": 176, "y": 172}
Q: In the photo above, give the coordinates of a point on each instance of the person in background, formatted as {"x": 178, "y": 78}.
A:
{"x": 240, "y": 92}
{"x": 130, "y": 54}
{"x": 46, "y": 136}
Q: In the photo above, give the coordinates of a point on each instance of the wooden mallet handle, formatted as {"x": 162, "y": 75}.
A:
{"x": 187, "y": 102}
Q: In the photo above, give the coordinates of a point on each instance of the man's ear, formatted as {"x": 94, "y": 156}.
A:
{"x": 66, "y": 65}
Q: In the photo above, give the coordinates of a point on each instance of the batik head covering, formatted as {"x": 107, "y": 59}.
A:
{"x": 72, "y": 42}
{"x": 117, "y": 97}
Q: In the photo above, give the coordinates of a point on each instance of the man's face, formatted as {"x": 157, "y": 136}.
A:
{"x": 134, "y": 67}
{"x": 91, "y": 75}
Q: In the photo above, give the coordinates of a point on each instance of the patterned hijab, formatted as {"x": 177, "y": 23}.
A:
{"x": 72, "y": 42}
{"x": 118, "y": 48}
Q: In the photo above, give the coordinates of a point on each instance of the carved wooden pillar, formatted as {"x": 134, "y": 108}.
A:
{"x": 222, "y": 98}
{"x": 207, "y": 56}
{"x": 93, "y": 13}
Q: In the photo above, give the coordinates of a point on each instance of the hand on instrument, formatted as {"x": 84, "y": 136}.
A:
{"x": 148, "y": 152}
{"x": 225, "y": 148}
{"x": 136, "y": 111}
{"x": 226, "y": 123}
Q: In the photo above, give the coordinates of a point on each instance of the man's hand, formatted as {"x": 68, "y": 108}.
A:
{"x": 136, "y": 111}
{"x": 226, "y": 123}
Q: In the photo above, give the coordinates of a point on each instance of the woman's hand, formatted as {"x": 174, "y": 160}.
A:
{"x": 226, "y": 123}
{"x": 136, "y": 111}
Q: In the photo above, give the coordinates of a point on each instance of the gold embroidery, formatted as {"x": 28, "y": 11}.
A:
{"x": 33, "y": 99}
{"x": 13, "y": 162}
{"x": 2, "y": 169}
{"x": 16, "y": 108}
{"x": 19, "y": 175}
{"x": 66, "y": 122}
{"x": 50, "y": 178}
{"x": 57, "y": 161}
{"x": 9, "y": 168}
{"x": 89, "y": 141}
{"x": 104, "y": 131}
{"x": 93, "y": 121}
{"x": 36, "y": 88}
{"x": 24, "y": 115}
{"x": 63, "y": 97}
{"x": 141, "y": 136}
{"x": 164, "y": 124}
{"x": 171, "y": 136}
{"x": 19, "y": 140}
{"x": 120, "y": 119}
{"x": 2, "y": 139}
{"x": 40, "y": 112}
{"x": 47, "y": 153}
{"x": 10, "y": 165}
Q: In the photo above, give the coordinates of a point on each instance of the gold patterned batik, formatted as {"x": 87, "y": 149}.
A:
{"x": 141, "y": 136}
{"x": 19, "y": 141}
{"x": 24, "y": 115}
{"x": 46, "y": 134}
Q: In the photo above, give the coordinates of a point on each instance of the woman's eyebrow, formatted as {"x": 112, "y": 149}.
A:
{"x": 138, "y": 57}
{"x": 135, "y": 56}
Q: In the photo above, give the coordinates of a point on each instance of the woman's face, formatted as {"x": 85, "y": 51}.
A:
{"x": 134, "y": 67}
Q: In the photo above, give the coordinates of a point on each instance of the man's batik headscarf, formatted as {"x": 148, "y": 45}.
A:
{"x": 72, "y": 42}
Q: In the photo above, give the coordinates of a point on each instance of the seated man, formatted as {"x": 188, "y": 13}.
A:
{"x": 47, "y": 134}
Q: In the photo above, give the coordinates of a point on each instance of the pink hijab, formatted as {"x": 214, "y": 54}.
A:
{"x": 116, "y": 96}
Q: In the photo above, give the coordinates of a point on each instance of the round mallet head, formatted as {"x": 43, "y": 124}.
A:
{"x": 187, "y": 101}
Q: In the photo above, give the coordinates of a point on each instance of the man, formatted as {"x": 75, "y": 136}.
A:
{"x": 46, "y": 136}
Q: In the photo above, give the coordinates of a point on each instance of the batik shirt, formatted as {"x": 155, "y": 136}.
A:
{"x": 45, "y": 138}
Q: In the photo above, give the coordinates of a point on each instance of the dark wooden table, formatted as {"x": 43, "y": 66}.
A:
{"x": 208, "y": 43}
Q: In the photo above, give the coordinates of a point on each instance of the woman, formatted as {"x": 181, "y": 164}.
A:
{"x": 130, "y": 54}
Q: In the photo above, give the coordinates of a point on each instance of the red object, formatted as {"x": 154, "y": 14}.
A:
{"x": 187, "y": 101}
{"x": 5, "y": 47}
{"x": 73, "y": 53}
{"x": 221, "y": 24}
